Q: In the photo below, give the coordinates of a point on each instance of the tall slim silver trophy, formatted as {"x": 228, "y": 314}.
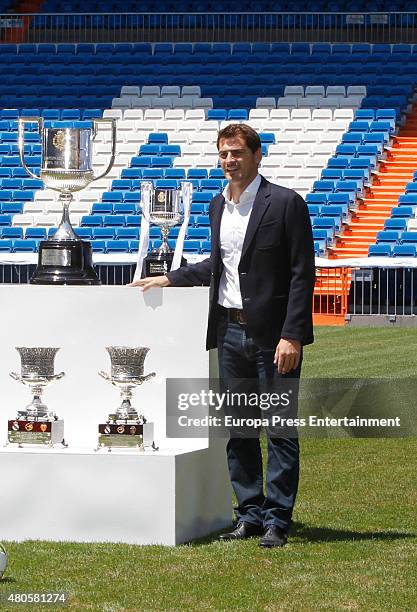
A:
{"x": 125, "y": 428}
{"x": 165, "y": 208}
{"x": 36, "y": 424}
{"x": 66, "y": 167}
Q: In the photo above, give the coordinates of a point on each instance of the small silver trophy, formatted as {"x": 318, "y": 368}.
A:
{"x": 165, "y": 208}
{"x": 66, "y": 167}
{"x": 125, "y": 428}
{"x": 36, "y": 424}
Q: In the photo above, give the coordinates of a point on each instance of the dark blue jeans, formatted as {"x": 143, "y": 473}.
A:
{"x": 240, "y": 358}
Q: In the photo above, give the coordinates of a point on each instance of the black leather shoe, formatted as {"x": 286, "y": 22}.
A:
{"x": 242, "y": 532}
{"x": 273, "y": 536}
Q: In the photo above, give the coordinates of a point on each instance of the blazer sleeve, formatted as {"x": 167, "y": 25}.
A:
{"x": 192, "y": 275}
{"x": 300, "y": 243}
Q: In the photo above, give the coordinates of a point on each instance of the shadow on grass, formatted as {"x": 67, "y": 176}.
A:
{"x": 7, "y": 580}
{"x": 319, "y": 534}
{"x": 326, "y": 534}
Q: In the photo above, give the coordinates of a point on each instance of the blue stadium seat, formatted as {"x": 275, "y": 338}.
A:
{"x": 379, "y": 250}
{"x": 125, "y": 208}
{"x": 198, "y": 233}
{"x": 211, "y": 185}
{"x": 92, "y": 220}
{"x": 166, "y": 184}
{"x": 98, "y": 246}
{"x": 12, "y": 208}
{"x": 6, "y": 245}
{"x": 5, "y": 220}
{"x": 85, "y": 233}
{"x": 38, "y": 233}
{"x": 25, "y": 246}
{"x": 158, "y": 138}
{"x": 404, "y": 250}
{"x": 153, "y": 173}
{"x": 408, "y": 238}
{"x": 102, "y": 208}
{"x": 133, "y": 220}
{"x": 197, "y": 173}
{"x": 387, "y": 237}
{"x": 409, "y": 199}
{"x": 103, "y": 233}
{"x": 127, "y": 233}
{"x": 238, "y": 114}
{"x": 114, "y": 220}
{"x": 11, "y": 232}
{"x": 399, "y": 225}
{"x": 117, "y": 246}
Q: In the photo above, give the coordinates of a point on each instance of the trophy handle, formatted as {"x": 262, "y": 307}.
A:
{"x": 21, "y": 139}
{"x": 146, "y": 191}
{"x": 147, "y": 377}
{"x": 112, "y": 122}
{"x": 104, "y": 375}
{"x": 58, "y": 376}
{"x": 15, "y": 376}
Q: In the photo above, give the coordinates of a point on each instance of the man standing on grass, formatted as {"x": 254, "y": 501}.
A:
{"x": 261, "y": 277}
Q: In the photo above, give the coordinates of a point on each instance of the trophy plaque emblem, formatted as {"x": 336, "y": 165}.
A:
{"x": 125, "y": 427}
{"x": 36, "y": 425}
{"x": 165, "y": 208}
{"x": 66, "y": 167}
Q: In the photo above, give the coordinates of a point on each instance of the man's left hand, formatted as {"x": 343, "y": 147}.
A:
{"x": 287, "y": 355}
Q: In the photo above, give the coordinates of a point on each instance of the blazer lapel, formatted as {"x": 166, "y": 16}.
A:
{"x": 260, "y": 205}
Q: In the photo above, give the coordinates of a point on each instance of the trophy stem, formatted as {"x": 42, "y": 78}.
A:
{"x": 37, "y": 408}
{"x": 126, "y": 410}
{"x": 65, "y": 231}
{"x": 164, "y": 248}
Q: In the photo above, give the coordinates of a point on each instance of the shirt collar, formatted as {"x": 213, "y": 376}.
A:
{"x": 247, "y": 195}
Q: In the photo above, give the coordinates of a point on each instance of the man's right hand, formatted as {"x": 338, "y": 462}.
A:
{"x": 149, "y": 282}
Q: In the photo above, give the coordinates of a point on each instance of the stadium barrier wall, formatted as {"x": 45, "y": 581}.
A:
{"x": 383, "y": 27}
{"x": 341, "y": 293}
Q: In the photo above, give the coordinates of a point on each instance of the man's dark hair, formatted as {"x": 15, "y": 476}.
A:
{"x": 248, "y": 134}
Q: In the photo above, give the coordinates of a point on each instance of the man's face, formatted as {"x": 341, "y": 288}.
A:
{"x": 239, "y": 163}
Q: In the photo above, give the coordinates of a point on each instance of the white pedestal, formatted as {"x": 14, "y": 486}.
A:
{"x": 166, "y": 497}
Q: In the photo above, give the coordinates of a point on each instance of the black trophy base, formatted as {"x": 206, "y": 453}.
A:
{"x": 65, "y": 262}
{"x": 157, "y": 264}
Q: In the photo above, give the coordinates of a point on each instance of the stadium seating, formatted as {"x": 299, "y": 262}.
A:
{"x": 325, "y": 119}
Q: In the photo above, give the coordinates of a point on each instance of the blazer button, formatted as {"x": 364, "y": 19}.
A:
{"x": 246, "y": 299}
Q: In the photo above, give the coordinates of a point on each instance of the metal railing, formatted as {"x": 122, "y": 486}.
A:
{"x": 109, "y": 274}
{"x": 383, "y": 291}
{"x": 210, "y": 27}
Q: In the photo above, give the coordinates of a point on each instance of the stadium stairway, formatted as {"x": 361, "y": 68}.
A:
{"x": 394, "y": 173}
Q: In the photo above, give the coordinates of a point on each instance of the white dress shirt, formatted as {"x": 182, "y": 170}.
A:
{"x": 233, "y": 227}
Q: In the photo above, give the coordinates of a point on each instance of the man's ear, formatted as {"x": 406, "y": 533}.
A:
{"x": 258, "y": 156}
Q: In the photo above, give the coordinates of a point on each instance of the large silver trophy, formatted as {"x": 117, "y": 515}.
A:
{"x": 165, "y": 208}
{"x": 125, "y": 428}
{"x": 66, "y": 167}
{"x": 36, "y": 424}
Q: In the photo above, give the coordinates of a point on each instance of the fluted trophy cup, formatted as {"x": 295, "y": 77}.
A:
{"x": 165, "y": 208}
{"x": 125, "y": 427}
{"x": 66, "y": 167}
{"x": 36, "y": 424}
